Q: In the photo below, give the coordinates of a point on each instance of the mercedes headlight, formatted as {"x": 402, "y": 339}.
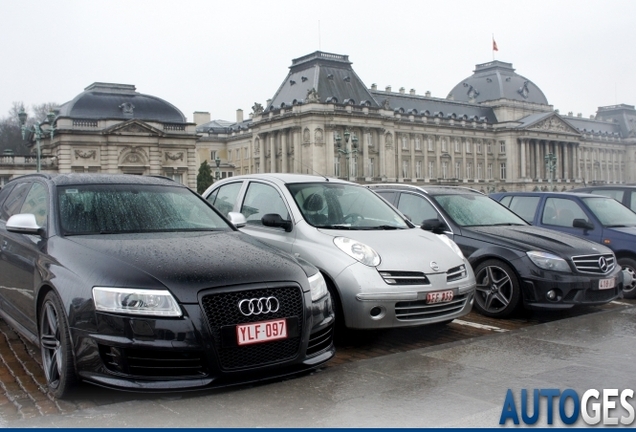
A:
{"x": 318, "y": 286}
{"x": 136, "y": 301}
{"x": 451, "y": 244}
{"x": 548, "y": 261}
{"x": 358, "y": 251}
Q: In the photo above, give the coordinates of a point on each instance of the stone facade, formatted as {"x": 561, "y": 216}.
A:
{"x": 498, "y": 144}
{"x": 110, "y": 128}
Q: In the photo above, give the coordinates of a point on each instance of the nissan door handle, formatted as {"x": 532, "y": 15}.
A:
{"x": 4, "y": 244}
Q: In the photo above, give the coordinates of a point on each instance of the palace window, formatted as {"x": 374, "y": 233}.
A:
{"x": 478, "y": 147}
{"x": 444, "y": 170}
{"x": 405, "y": 169}
{"x": 457, "y": 150}
{"x": 468, "y": 147}
{"x": 431, "y": 169}
{"x": 502, "y": 171}
{"x": 479, "y": 171}
{"x": 404, "y": 143}
{"x": 458, "y": 170}
{"x": 502, "y": 147}
{"x": 418, "y": 169}
{"x": 418, "y": 144}
{"x": 489, "y": 171}
{"x": 371, "y": 170}
{"x": 429, "y": 141}
{"x": 444, "y": 147}
{"x": 336, "y": 166}
{"x": 469, "y": 170}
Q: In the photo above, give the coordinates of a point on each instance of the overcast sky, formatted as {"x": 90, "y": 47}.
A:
{"x": 218, "y": 56}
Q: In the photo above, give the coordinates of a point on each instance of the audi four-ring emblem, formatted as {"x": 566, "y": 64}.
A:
{"x": 258, "y": 306}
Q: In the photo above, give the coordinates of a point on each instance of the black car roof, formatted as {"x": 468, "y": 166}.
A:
{"x": 99, "y": 178}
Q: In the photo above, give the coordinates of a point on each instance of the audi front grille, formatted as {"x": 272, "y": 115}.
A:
{"x": 221, "y": 310}
{"x": 419, "y": 309}
{"x": 597, "y": 264}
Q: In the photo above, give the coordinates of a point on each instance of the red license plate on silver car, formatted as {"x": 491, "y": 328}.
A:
{"x": 262, "y": 331}
{"x": 439, "y": 297}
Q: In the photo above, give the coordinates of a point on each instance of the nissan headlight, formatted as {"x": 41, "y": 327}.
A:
{"x": 358, "y": 251}
{"x": 136, "y": 301}
{"x": 451, "y": 244}
{"x": 318, "y": 286}
{"x": 548, "y": 261}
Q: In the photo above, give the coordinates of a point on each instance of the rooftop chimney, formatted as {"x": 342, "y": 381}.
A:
{"x": 388, "y": 89}
{"x": 427, "y": 94}
{"x": 201, "y": 117}
{"x": 239, "y": 115}
{"x": 374, "y": 86}
{"x": 412, "y": 92}
{"x": 402, "y": 90}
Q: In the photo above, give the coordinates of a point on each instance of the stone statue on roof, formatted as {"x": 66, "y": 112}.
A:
{"x": 312, "y": 96}
{"x": 257, "y": 108}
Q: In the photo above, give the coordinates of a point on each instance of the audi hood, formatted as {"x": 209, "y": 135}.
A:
{"x": 185, "y": 263}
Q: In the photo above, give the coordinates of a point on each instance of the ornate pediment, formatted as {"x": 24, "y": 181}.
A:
{"x": 133, "y": 127}
{"x": 553, "y": 124}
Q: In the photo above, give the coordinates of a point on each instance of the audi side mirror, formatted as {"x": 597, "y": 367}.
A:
{"x": 24, "y": 223}
{"x": 275, "y": 220}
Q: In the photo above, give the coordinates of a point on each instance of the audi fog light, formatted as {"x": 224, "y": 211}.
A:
{"x": 136, "y": 301}
{"x": 548, "y": 261}
{"x": 358, "y": 251}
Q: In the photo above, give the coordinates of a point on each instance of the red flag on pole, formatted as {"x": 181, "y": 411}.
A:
{"x": 494, "y": 45}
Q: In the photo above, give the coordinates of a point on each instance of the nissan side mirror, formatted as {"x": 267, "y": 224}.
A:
{"x": 237, "y": 219}
{"x": 275, "y": 220}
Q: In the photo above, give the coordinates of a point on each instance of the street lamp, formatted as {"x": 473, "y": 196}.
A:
{"x": 550, "y": 166}
{"x": 37, "y": 130}
{"x": 347, "y": 151}
{"x": 217, "y": 174}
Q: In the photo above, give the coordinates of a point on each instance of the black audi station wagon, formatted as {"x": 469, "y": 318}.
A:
{"x": 137, "y": 283}
{"x": 516, "y": 265}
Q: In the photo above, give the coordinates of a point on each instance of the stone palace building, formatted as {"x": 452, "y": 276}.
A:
{"x": 495, "y": 130}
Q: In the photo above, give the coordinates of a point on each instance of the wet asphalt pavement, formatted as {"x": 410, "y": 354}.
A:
{"x": 461, "y": 383}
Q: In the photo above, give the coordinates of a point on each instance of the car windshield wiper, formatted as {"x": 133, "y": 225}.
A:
{"x": 507, "y": 224}
{"x": 336, "y": 226}
{"x": 381, "y": 227}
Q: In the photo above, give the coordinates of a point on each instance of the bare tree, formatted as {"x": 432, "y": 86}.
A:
{"x": 10, "y": 132}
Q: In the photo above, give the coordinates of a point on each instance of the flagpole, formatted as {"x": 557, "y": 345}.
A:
{"x": 493, "y": 47}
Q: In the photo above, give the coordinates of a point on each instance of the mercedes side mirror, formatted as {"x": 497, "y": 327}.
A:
{"x": 434, "y": 225}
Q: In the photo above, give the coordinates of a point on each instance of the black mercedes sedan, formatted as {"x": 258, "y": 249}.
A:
{"x": 516, "y": 264}
{"x": 137, "y": 283}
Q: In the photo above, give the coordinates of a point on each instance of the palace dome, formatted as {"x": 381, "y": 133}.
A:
{"x": 119, "y": 101}
{"x": 496, "y": 80}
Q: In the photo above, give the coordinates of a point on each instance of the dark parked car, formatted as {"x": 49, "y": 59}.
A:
{"x": 138, "y": 283}
{"x": 624, "y": 194}
{"x": 515, "y": 264}
{"x": 592, "y": 217}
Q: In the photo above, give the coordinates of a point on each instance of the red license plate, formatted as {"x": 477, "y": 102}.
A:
{"x": 439, "y": 297}
{"x": 262, "y": 331}
{"x": 606, "y": 283}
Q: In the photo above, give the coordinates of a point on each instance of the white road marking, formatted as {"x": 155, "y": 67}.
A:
{"x": 620, "y": 303}
{"x": 479, "y": 326}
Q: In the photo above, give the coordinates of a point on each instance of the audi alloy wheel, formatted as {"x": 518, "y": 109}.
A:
{"x": 57, "y": 354}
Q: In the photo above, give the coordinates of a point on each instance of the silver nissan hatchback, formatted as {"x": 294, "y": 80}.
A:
{"x": 381, "y": 270}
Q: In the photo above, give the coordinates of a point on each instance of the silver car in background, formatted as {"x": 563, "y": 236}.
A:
{"x": 381, "y": 270}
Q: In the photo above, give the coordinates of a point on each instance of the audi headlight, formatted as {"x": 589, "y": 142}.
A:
{"x": 136, "y": 301}
{"x": 451, "y": 244}
{"x": 548, "y": 261}
{"x": 318, "y": 286}
{"x": 358, "y": 251}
